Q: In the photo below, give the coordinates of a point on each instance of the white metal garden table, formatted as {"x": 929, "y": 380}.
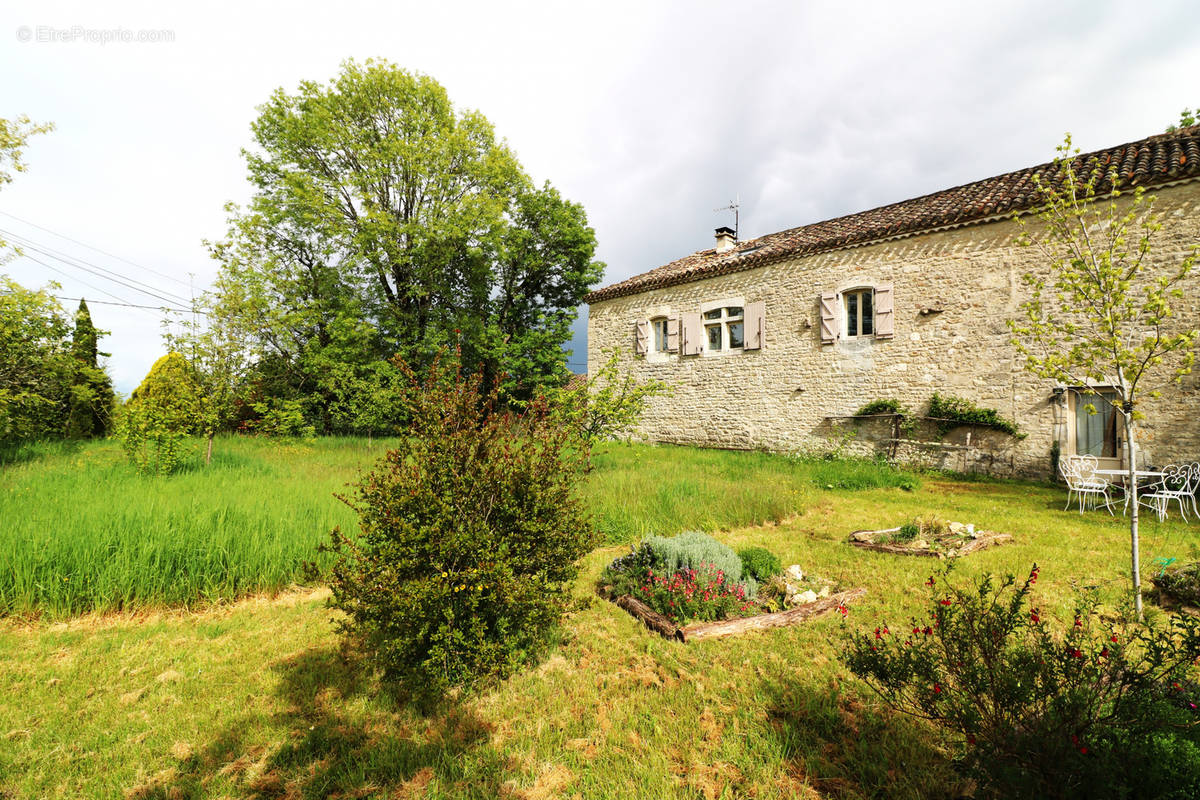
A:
{"x": 1124, "y": 473}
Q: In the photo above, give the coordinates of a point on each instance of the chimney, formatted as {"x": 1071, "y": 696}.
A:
{"x": 726, "y": 239}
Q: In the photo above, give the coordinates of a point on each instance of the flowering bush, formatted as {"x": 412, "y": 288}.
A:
{"x": 693, "y": 595}
{"x": 1098, "y": 710}
{"x": 472, "y": 528}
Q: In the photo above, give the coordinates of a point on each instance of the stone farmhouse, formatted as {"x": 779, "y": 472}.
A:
{"x": 773, "y": 342}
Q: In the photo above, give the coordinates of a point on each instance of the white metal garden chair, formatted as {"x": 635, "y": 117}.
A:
{"x": 1179, "y": 484}
{"x": 1082, "y": 481}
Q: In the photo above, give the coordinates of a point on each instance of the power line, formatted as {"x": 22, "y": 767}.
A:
{"x": 85, "y": 283}
{"x": 131, "y": 305}
{"x": 98, "y": 271}
{"x": 97, "y": 249}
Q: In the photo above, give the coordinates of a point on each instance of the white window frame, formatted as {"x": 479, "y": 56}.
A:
{"x": 858, "y": 292}
{"x": 724, "y": 323}
{"x": 658, "y": 335}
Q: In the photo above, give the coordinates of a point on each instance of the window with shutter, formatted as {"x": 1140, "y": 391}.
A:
{"x": 641, "y": 336}
{"x": 755, "y": 325}
{"x": 673, "y": 333}
{"x": 828, "y": 317}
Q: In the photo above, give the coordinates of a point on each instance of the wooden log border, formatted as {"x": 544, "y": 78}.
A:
{"x": 727, "y": 627}
{"x": 985, "y": 540}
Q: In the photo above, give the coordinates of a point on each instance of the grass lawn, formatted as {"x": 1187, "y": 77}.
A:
{"x": 254, "y": 698}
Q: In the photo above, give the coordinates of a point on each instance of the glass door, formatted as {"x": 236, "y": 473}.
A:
{"x": 1100, "y": 434}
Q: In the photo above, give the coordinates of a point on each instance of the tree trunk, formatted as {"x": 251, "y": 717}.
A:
{"x": 208, "y": 451}
{"x": 1131, "y": 452}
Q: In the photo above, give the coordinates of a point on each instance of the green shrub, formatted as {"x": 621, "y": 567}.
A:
{"x": 156, "y": 420}
{"x": 951, "y": 412}
{"x": 760, "y": 563}
{"x": 692, "y": 550}
{"x": 1181, "y": 583}
{"x": 471, "y": 532}
{"x": 882, "y": 406}
{"x": 1042, "y": 712}
{"x": 282, "y": 418}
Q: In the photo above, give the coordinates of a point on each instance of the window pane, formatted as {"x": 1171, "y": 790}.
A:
{"x": 714, "y": 314}
{"x": 714, "y": 337}
{"x": 660, "y": 335}
{"x": 733, "y": 311}
{"x": 735, "y": 334}
{"x": 868, "y": 319}
{"x": 852, "y": 315}
{"x": 1095, "y": 434}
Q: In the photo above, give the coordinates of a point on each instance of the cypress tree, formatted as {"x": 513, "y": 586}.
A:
{"x": 91, "y": 398}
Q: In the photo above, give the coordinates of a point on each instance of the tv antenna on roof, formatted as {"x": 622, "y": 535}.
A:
{"x": 737, "y": 201}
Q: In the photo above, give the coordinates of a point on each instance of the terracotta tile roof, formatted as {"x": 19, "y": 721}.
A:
{"x": 1157, "y": 159}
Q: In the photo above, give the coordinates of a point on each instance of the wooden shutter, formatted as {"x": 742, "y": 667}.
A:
{"x": 885, "y": 319}
{"x": 673, "y": 333}
{"x": 828, "y": 317}
{"x": 692, "y": 332}
{"x": 641, "y": 336}
{"x": 755, "y": 325}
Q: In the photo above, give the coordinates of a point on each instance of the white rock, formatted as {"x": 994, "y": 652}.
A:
{"x": 806, "y": 597}
{"x": 958, "y": 529}
{"x": 795, "y": 573}
{"x": 824, "y": 591}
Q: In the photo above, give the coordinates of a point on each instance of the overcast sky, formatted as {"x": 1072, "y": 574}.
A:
{"x": 649, "y": 114}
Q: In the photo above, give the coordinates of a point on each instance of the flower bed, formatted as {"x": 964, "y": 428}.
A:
{"x": 692, "y": 586}
{"x": 929, "y": 536}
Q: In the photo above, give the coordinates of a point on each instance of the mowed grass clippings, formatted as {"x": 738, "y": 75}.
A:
{"x": 258, "y": 699}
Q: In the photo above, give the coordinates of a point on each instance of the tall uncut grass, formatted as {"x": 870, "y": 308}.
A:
{"x": 84, "y": 531}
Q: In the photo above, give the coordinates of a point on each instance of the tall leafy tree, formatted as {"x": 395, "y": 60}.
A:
{"x": 91, "y": 394}
{"x": 1099, "y": 310}
{"x": 36, "y": 365}
{"x": 385, "y": 221}
{"x": 14, "y": 138}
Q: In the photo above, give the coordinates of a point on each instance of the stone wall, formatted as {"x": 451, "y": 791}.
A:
{"x": 954, "y": 291}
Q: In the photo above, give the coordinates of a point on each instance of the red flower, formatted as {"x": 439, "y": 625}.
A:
{"x": 937, "y": 688}
{"x": 1033, "y": 617}
{"x": 970, "y": 738}
{"x": 1078, "y": 622}
{"x": 930, "y": 581}
{"x": 843, "y": 610}
{"x": 946, "y": 602}
{"x": 885, "y": 630}
{"x": 1113, "y": 638}
{"x": 1104, "y": 653}
{"x": 878, "y": 635}
{"x": 928, "y": 631}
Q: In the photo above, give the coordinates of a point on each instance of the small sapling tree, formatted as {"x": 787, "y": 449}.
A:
{"x": 1099, "y": 310}
{"x": 471, "y": 530}
{"x": 606, "y": 405}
